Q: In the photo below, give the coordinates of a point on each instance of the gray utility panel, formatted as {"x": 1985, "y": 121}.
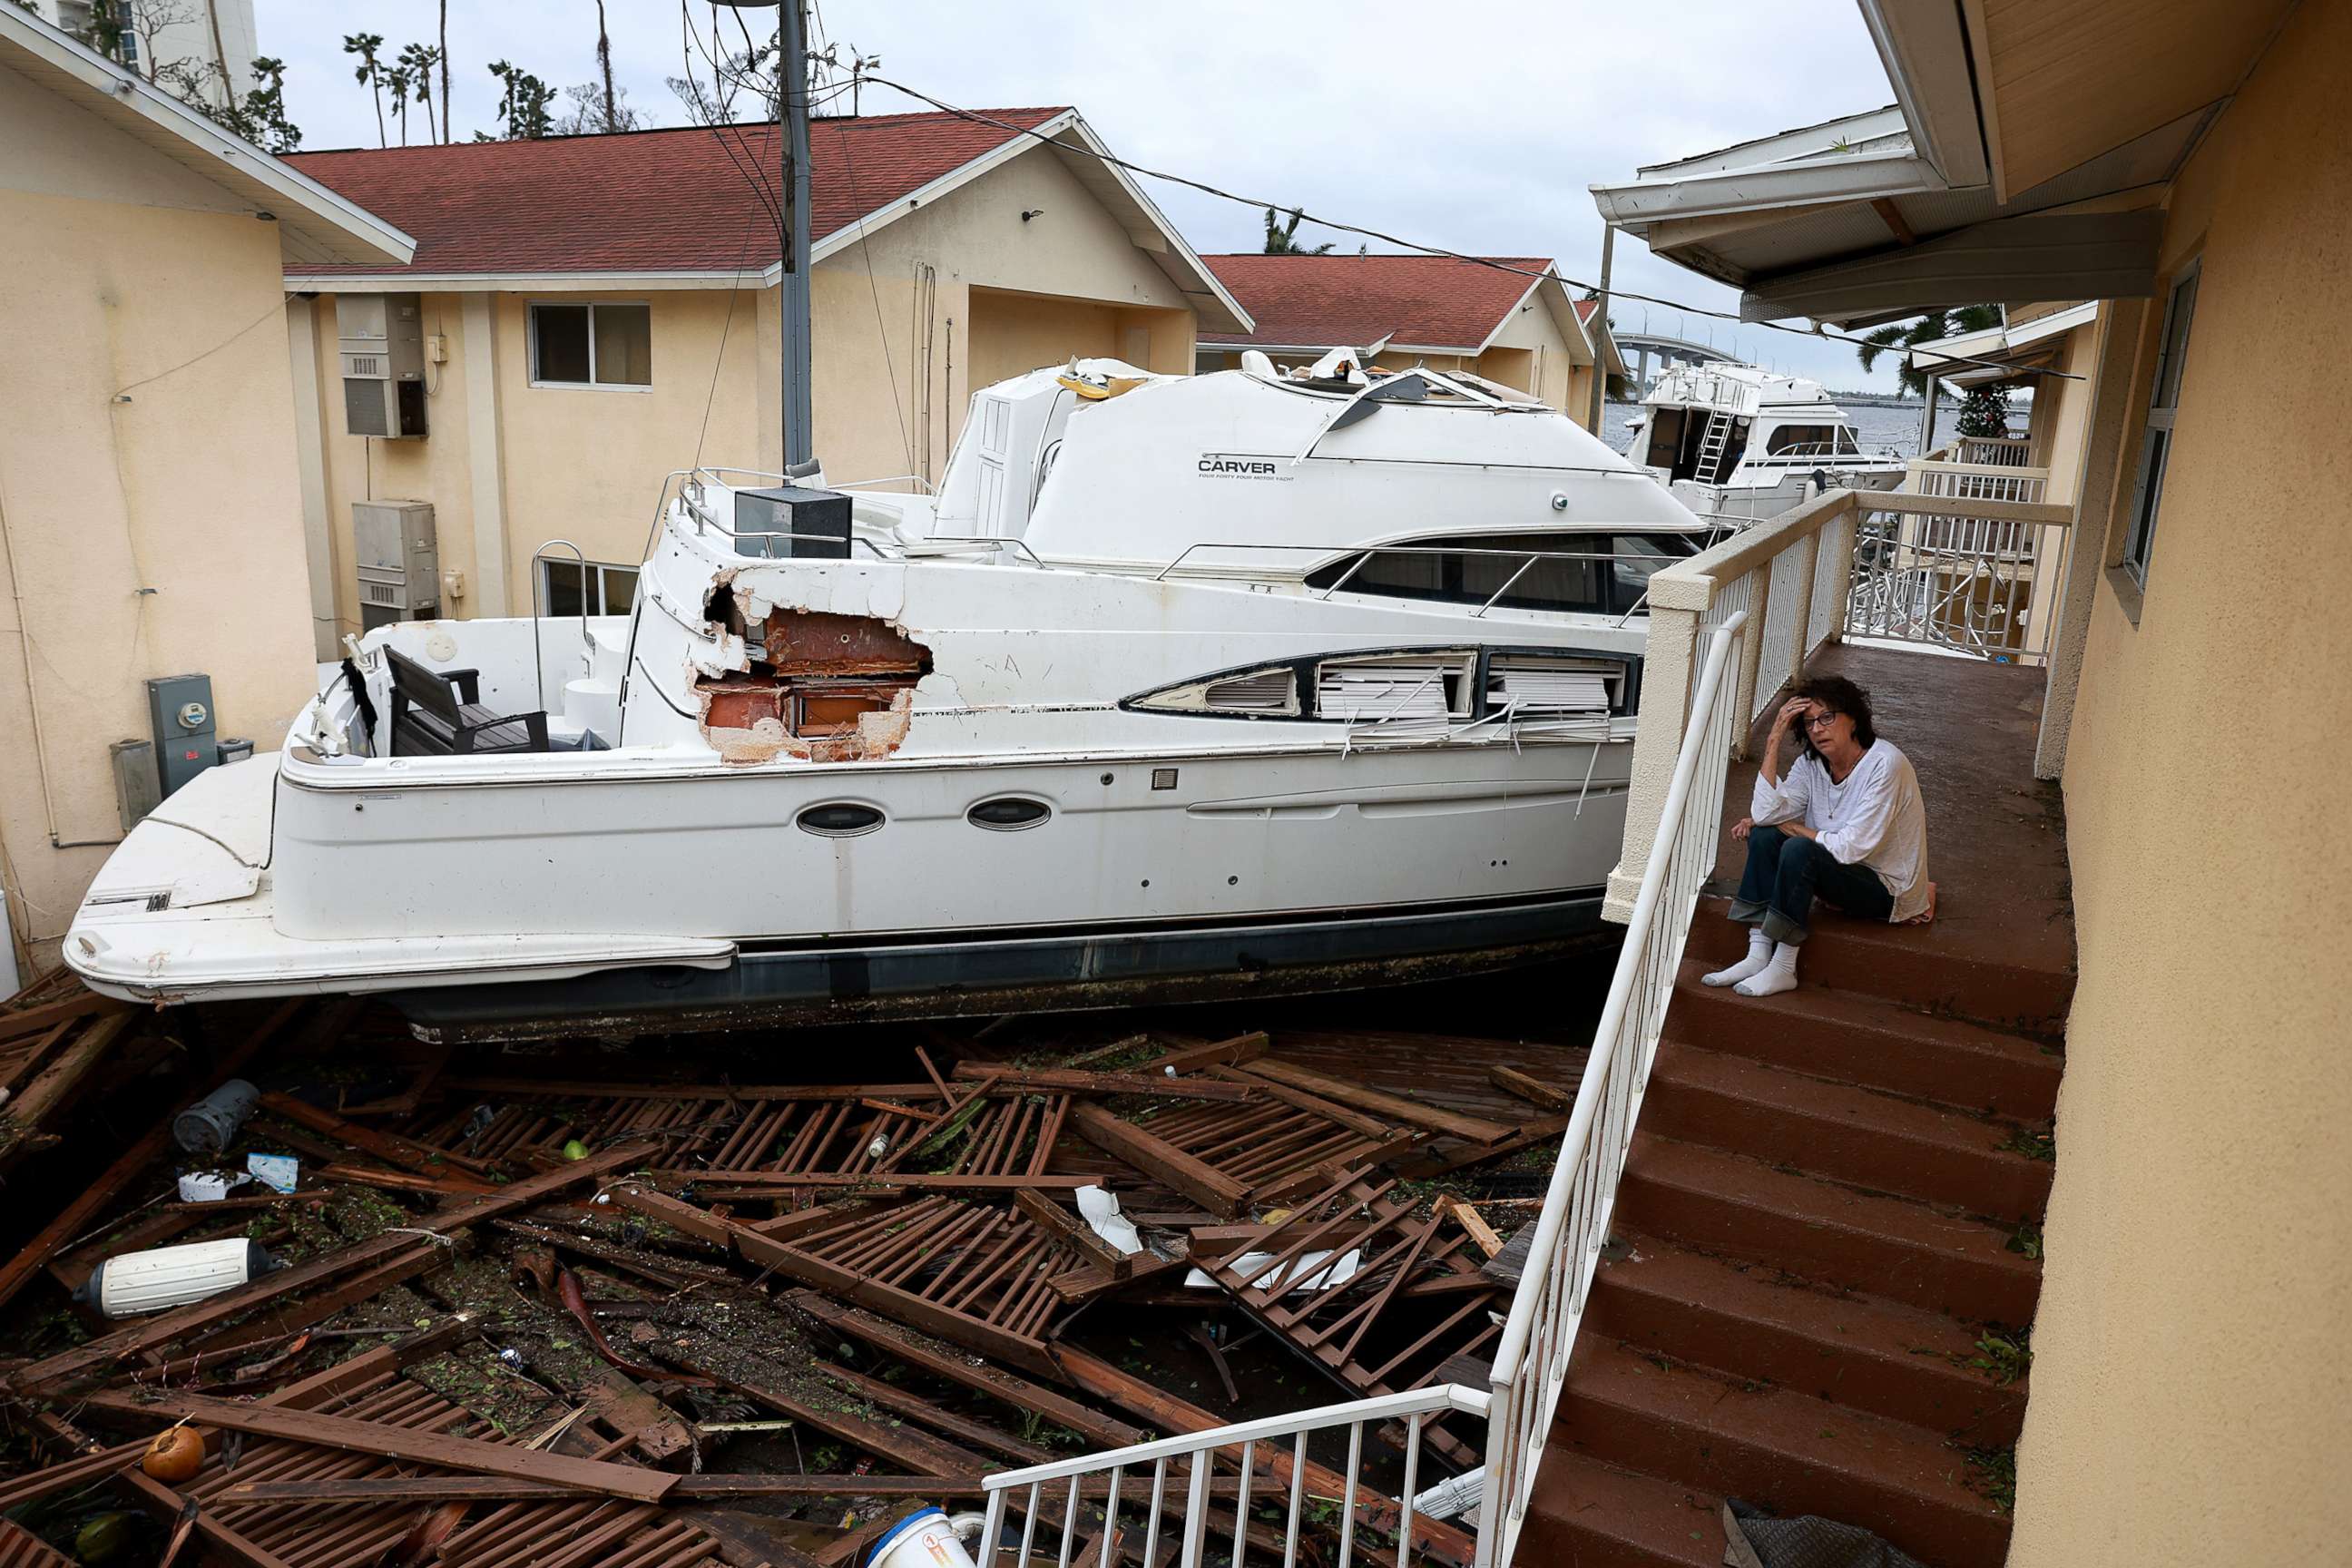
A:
{"x": 811, "y": 524}
{"x": 399, "y": 559}
{"x": 380, "y": 340}
{"x": 180, "y": 709}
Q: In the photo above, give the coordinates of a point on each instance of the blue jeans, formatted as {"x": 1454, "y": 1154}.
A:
{"x": 1784, "y": 874}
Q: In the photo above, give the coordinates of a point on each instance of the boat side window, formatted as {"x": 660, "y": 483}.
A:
{"x": 1557, "y": 572}
{"x": 1846, "y": 443}
{"x": 1801, "y": 441}
{"x": 1639, "y": 557}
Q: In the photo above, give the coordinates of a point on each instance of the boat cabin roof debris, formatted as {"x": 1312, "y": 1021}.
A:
{"x": 535, "y": 1306}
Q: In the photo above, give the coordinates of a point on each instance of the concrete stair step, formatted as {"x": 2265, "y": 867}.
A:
{"x": 1747, "y": 1322}
{"x": 1870, "y": 1139}
{"x": 1858, "y": 1039}
{"x": 1586, "y": 1514}
{"x": 1906, "y": 964}
{"x": 1791, "y": 1452}
{"x": 1896, "y": 1247}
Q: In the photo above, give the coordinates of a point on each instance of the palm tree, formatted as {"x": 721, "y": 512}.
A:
{"x": 418, "y": 60}
{"x": 1282, "y": 238}
{"x": 370, "y": 72}
{"x": 1927, "y": 329}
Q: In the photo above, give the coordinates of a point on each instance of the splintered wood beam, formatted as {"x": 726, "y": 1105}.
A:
{"x": 777, "y": 1183}
{"x": 1298, "y": 1098}
{"x": 1069, "y": 1081}
{"x": 392, "y": 1149}
{"x": 1160, "y": 1159}
{"x": 1220, "y": 1053}
{"x": 168, "y": 1328}
{"x": 1534, "y": 1090}
{"x": 635, "y": 1482}
{"x": 1392, "y": 1107}
{"x": 33, "y": 1020}
{"x": 501, "y": 1488}
{"x": 1472, "y": 1222}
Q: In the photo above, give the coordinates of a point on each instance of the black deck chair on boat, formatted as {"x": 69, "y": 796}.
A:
{"x": 438, "y": 713}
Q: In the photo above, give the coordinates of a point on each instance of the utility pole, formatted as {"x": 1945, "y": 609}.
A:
{"x": 1600, "y": 327}
{"x": 791, "y": 97}
{"x": 792, "y": 231}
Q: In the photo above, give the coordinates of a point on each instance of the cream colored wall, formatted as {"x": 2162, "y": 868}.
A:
{"x": 578, "y": 464}
{"x": 148, "y": 485}
{"x": 2192, "y": 1395}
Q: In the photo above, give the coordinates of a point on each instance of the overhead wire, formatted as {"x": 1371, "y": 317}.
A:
{"x": 1341, "y": 227}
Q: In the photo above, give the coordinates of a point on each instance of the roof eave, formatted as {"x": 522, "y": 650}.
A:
{"x": 1925, "y": 49}
{"x": 305, "y": 211}
{"x": 1804, "y": 182}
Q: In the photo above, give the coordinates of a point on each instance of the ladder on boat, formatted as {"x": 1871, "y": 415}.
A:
{"x": 1711, "y": 447}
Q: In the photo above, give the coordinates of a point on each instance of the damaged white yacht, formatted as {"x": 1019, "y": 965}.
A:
{"x": 1181, "y": 687}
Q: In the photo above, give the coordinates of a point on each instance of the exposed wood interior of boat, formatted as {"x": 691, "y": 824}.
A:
{"x": 830, "y": 688}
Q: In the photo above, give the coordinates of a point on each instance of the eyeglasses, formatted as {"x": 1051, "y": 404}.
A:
{"x": 1817, "y": 721}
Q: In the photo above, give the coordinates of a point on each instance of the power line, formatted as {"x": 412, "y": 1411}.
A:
{"x": 1816, "y": 330}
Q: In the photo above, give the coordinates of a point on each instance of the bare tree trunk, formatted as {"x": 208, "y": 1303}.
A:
{"x": 604, "y": 64}
{"x": 444, "y": 72}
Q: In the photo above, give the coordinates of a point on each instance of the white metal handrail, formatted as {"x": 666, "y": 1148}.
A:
{"x": 1540, "y": 1335}
{"x": 1205, "y": 1496}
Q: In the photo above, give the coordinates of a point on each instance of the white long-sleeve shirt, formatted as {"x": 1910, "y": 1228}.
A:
{"x": 1875, "y": 817}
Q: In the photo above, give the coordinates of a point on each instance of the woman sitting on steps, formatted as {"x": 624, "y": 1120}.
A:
{"x": 1845, "y": 824}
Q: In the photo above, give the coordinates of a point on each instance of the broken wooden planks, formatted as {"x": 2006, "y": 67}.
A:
{"x": 1393, "y": 1108}
{"x": 86, "y": 1360}
{"x": 383, "y": 1440}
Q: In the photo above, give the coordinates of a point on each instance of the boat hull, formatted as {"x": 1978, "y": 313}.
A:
{"x": 950, "y": 976}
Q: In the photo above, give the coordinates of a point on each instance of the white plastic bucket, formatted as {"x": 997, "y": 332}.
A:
{"x": 926, "y": 1538}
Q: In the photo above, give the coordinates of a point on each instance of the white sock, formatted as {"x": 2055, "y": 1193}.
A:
{"x": 1760, "y": 953}
{"x": 1778, "y": 975}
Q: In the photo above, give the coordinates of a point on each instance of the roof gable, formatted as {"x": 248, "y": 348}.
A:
{"x": 1441, "y": 302}
{"x": 688, "y": 199}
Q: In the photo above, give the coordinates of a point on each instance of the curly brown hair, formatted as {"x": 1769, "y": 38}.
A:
{"x": 1837, "y": 695}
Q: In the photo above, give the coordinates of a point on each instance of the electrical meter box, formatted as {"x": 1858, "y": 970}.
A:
{"x": 793, "y": 521}
{"x": 180, "y": 709}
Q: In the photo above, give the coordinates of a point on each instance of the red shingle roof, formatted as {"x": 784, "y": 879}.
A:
{"x": 644, "y": 201}
{"x": 1324, "y": 301}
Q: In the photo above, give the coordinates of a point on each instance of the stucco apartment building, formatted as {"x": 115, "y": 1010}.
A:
{"x": 1507, "y": 317}
{"x": 149, "y": 502}
{"x": 600, "y": 312}
{"x": 2186, "y": 169}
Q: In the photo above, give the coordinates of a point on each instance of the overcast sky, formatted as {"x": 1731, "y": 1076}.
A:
{"x": 1473, "y": 126}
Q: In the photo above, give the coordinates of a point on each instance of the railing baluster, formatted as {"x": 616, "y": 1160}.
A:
{"x": 1348, "y": 1503}
{"x": 1297, "y": 1496}
{"x": 1110, "y": 1514}
{"x": 1412, "y": 1480}
{"x": 1196, "y": 1508}
{"x": 991, "y": 1526}
{"x": 1029, "y": 1523}
{"x": 1241, "y": 1507}
{"x": 1159, "y": 1492}
{"x": 1070, "y": 1524}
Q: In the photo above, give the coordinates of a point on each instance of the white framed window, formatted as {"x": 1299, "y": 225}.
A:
{"x": 603, "y": 589}
{"x": 598, "y": 343}
{"x": 2156, "y": 443}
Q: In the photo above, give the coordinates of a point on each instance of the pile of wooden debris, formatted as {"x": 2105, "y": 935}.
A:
{"x": 389, "y": 1303}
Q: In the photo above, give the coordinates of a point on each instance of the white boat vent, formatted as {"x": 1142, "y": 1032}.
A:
{"x": 1391, "y": 688}
{"x": 1271, "y": 691}
{"x": 1546, "y": 687}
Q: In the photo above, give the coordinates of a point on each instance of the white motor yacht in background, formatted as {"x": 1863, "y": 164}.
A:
{"x": 1736, "y": 443}
{"x": 1181, "y": 687}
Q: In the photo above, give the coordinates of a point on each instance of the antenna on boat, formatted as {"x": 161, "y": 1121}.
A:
{"x": 792, "y": 230}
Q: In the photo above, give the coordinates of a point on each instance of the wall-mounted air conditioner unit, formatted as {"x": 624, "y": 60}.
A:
{"x": 399, "y": 562}
{"x": 380, "y": 339}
